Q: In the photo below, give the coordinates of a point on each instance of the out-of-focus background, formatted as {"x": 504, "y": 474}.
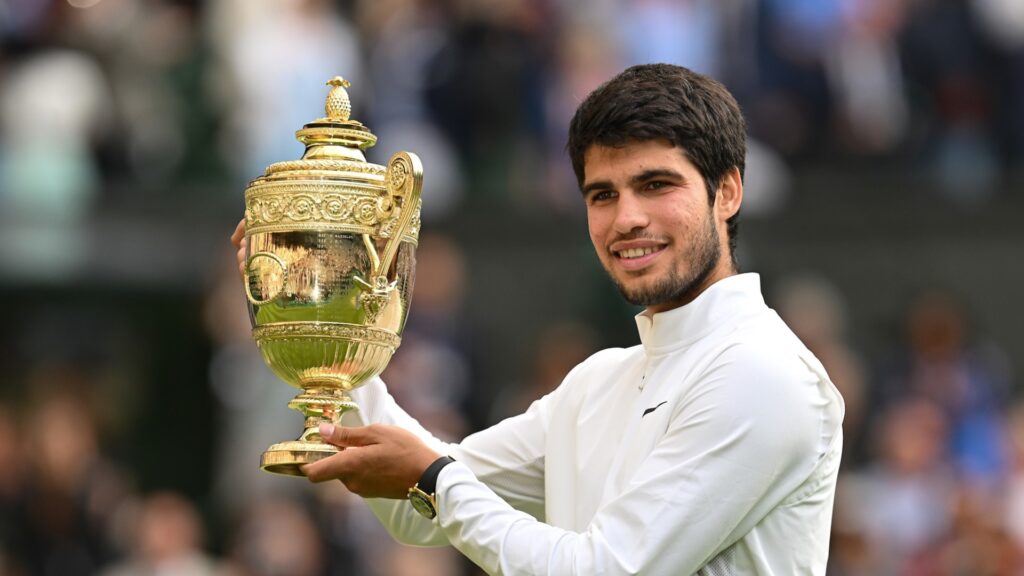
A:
{"x": 885, "y": 185}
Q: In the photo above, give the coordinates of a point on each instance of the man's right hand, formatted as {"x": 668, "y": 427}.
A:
{"x": 238, "y": 240}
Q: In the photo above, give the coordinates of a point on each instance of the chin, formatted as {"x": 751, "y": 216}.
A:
{"x": 638, "y": 296}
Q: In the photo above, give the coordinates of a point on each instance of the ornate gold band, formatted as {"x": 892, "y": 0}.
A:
{"x": 322, "y": 205}
{"x": 336, "y": 330}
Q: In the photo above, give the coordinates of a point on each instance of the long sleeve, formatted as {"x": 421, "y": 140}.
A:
{"x": 377, "y": 406}
{"x": 738, "y": 444}
{"x": 508, "y": 457}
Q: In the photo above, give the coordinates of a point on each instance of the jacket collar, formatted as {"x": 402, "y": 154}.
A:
{"x": 723, "y": 302}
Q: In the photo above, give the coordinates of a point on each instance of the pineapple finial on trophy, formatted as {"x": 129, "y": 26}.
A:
{"x": 338, "y": 106}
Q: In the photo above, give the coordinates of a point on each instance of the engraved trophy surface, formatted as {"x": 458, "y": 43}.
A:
{"x": 329, "y": 269}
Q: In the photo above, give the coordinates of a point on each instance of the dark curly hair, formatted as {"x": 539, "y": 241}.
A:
{"x": 662, "y": 101}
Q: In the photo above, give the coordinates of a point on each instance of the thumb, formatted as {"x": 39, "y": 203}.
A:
{"x": 343, "y": 436}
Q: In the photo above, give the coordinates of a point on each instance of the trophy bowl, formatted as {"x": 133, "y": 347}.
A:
{"x": 329, "y": 269}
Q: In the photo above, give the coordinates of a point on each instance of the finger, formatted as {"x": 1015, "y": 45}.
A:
{"x": 337, "y": 466}
{"x": 343, "y": 436}
{"x": 238, "y": 234}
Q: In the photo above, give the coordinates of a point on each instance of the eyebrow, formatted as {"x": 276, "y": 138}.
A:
{"x": 634, "y": 180}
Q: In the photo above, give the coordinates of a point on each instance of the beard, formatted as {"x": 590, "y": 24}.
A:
{"x": 703, "y": 255}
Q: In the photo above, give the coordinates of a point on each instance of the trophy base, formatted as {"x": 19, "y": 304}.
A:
{"x": 288, "y": 457}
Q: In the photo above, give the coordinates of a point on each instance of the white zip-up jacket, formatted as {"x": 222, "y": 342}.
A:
{"x": 712, "y": 448}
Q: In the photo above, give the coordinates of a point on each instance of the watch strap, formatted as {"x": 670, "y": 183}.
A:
{"x": 428, "y": 481}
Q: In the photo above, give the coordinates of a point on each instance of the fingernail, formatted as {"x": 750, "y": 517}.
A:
{"x": 326, "y": 430}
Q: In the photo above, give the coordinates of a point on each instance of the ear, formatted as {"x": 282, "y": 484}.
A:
{"x": 729, "y": 195}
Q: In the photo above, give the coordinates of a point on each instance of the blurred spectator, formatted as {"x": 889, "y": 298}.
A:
{"x": 944, "y": 58}
{"x": 903, "y": 504}
{"x": 1002, "y": 21}
{"x": 167, "y": 541}
{"x": 965, "y": 377}
{"x": 851, "y": 552}
{"x": 584, "y": 56}
{"x": 405, "y": 37}
{"x": 48, "y": 185}
{"x": 791, "y": 111}
{"x": 278, "y": 538}
{"x": 486, "y": 95}
{"x": 977, "y": 544}
{"x": 865, "y": 75}
{"x": 685, "y": 33}
{"x": 45, "y": 179}
{"x": 274, "y": 58}
{"x": 150, "y": 53}
{"x": 767, "y": 182}
{"x": 66, "y": 510}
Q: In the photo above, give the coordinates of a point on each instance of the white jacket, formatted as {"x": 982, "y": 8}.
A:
{"x": 712, "y": 448}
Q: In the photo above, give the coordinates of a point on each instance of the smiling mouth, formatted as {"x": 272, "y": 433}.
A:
{"x": 634, "y": 253}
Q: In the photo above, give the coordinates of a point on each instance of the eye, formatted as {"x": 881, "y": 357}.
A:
{"x": 599, "y": 196}
{"x": 656, "y": 185}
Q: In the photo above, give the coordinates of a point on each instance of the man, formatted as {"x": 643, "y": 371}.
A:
{"x": 711, "y": 448}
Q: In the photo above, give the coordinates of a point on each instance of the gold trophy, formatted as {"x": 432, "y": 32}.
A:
{"x": 329, "y": 270}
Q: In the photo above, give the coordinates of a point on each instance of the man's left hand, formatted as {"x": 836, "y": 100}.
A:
{"x": 375, "y": 461}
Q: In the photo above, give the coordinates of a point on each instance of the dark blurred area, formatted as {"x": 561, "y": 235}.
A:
{"x": 884, "y": 189}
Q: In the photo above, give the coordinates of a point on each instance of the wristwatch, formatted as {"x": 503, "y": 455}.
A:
{"x": 421, "y": 496}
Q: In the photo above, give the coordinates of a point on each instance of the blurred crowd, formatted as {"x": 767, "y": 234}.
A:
{"x": 131, "y": 107}
{"x": 160, "y": 94}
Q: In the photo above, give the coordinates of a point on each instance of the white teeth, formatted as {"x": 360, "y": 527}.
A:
{"x": 636, "y": 252}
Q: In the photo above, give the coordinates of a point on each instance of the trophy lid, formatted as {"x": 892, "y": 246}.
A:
{"x": 333, "y": 187}
{"x": 334, "y": 142}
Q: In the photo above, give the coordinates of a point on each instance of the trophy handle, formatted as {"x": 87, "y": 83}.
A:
{"x": 404, "y": 182}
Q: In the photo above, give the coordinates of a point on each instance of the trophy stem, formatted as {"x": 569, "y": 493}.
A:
{"x": 320, "y": 405}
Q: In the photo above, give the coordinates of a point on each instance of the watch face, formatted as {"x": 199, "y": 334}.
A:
{"x": 422, "y": 504}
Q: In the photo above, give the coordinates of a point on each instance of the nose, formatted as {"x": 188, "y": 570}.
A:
{"x": 630, "y": 214}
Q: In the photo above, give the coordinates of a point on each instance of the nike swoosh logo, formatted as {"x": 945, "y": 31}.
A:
{"x": 649, "y": 410}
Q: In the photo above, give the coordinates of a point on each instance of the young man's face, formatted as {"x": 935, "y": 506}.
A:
{"x": 655, "y": 232}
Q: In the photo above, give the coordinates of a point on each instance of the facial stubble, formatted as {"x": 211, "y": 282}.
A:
{"x": 703, "y": 256}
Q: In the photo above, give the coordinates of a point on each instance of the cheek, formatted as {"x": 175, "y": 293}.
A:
{"x": 595, "y": 228}
{"x": 597, "y": 243}
{"x": 691, "y": 220}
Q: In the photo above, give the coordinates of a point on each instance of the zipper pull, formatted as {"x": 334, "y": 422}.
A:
{"x": 643, "y": 373}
